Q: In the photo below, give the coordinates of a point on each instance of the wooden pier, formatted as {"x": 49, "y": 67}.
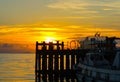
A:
{"x": 53, "y": 62}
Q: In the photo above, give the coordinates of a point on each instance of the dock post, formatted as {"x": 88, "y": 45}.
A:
{"x": 61, "y": 63}
{"x": 44, "y": 61}
{"x": 36, "y": 63}
{"x": 50, "y": 66}
{"x": 62, "y": 60}
{"x": 72, "y": 60}
{"x": 56, "y": 63}
{"x": 50, "y": 57}
{"x": 62, "y": 45}
{"x": 67, "y": 62}
{"x": 56, "y": 57}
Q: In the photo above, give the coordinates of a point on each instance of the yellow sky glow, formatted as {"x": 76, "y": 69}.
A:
{"x": 24, "y": 22}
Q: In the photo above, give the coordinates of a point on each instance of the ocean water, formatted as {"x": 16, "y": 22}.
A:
{"x": 17, "y": 67}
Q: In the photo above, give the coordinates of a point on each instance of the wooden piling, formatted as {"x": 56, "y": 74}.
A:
{"x": 67, "y": 62}
{"x": 73, "y": 60}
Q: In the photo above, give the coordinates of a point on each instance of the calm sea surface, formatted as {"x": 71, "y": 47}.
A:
{"x": 17, "y": 67}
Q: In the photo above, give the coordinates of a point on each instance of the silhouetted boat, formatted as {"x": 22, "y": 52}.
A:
{"x": 101, "y": 63}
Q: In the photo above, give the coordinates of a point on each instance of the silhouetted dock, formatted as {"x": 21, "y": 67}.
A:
{"x": 53, "y": 62}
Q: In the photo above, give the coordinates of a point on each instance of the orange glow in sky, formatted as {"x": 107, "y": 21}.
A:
{"x": 25, "y": 22}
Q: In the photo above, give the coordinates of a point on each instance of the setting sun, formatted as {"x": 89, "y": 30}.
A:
{"x": 49, "y": 39}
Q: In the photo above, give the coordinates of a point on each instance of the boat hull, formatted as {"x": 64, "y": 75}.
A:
{"x": 86, "y": 73}
{"x": 90, "y": 79}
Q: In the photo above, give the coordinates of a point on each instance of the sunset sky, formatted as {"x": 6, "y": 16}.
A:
{"x": 27, "y": 21}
